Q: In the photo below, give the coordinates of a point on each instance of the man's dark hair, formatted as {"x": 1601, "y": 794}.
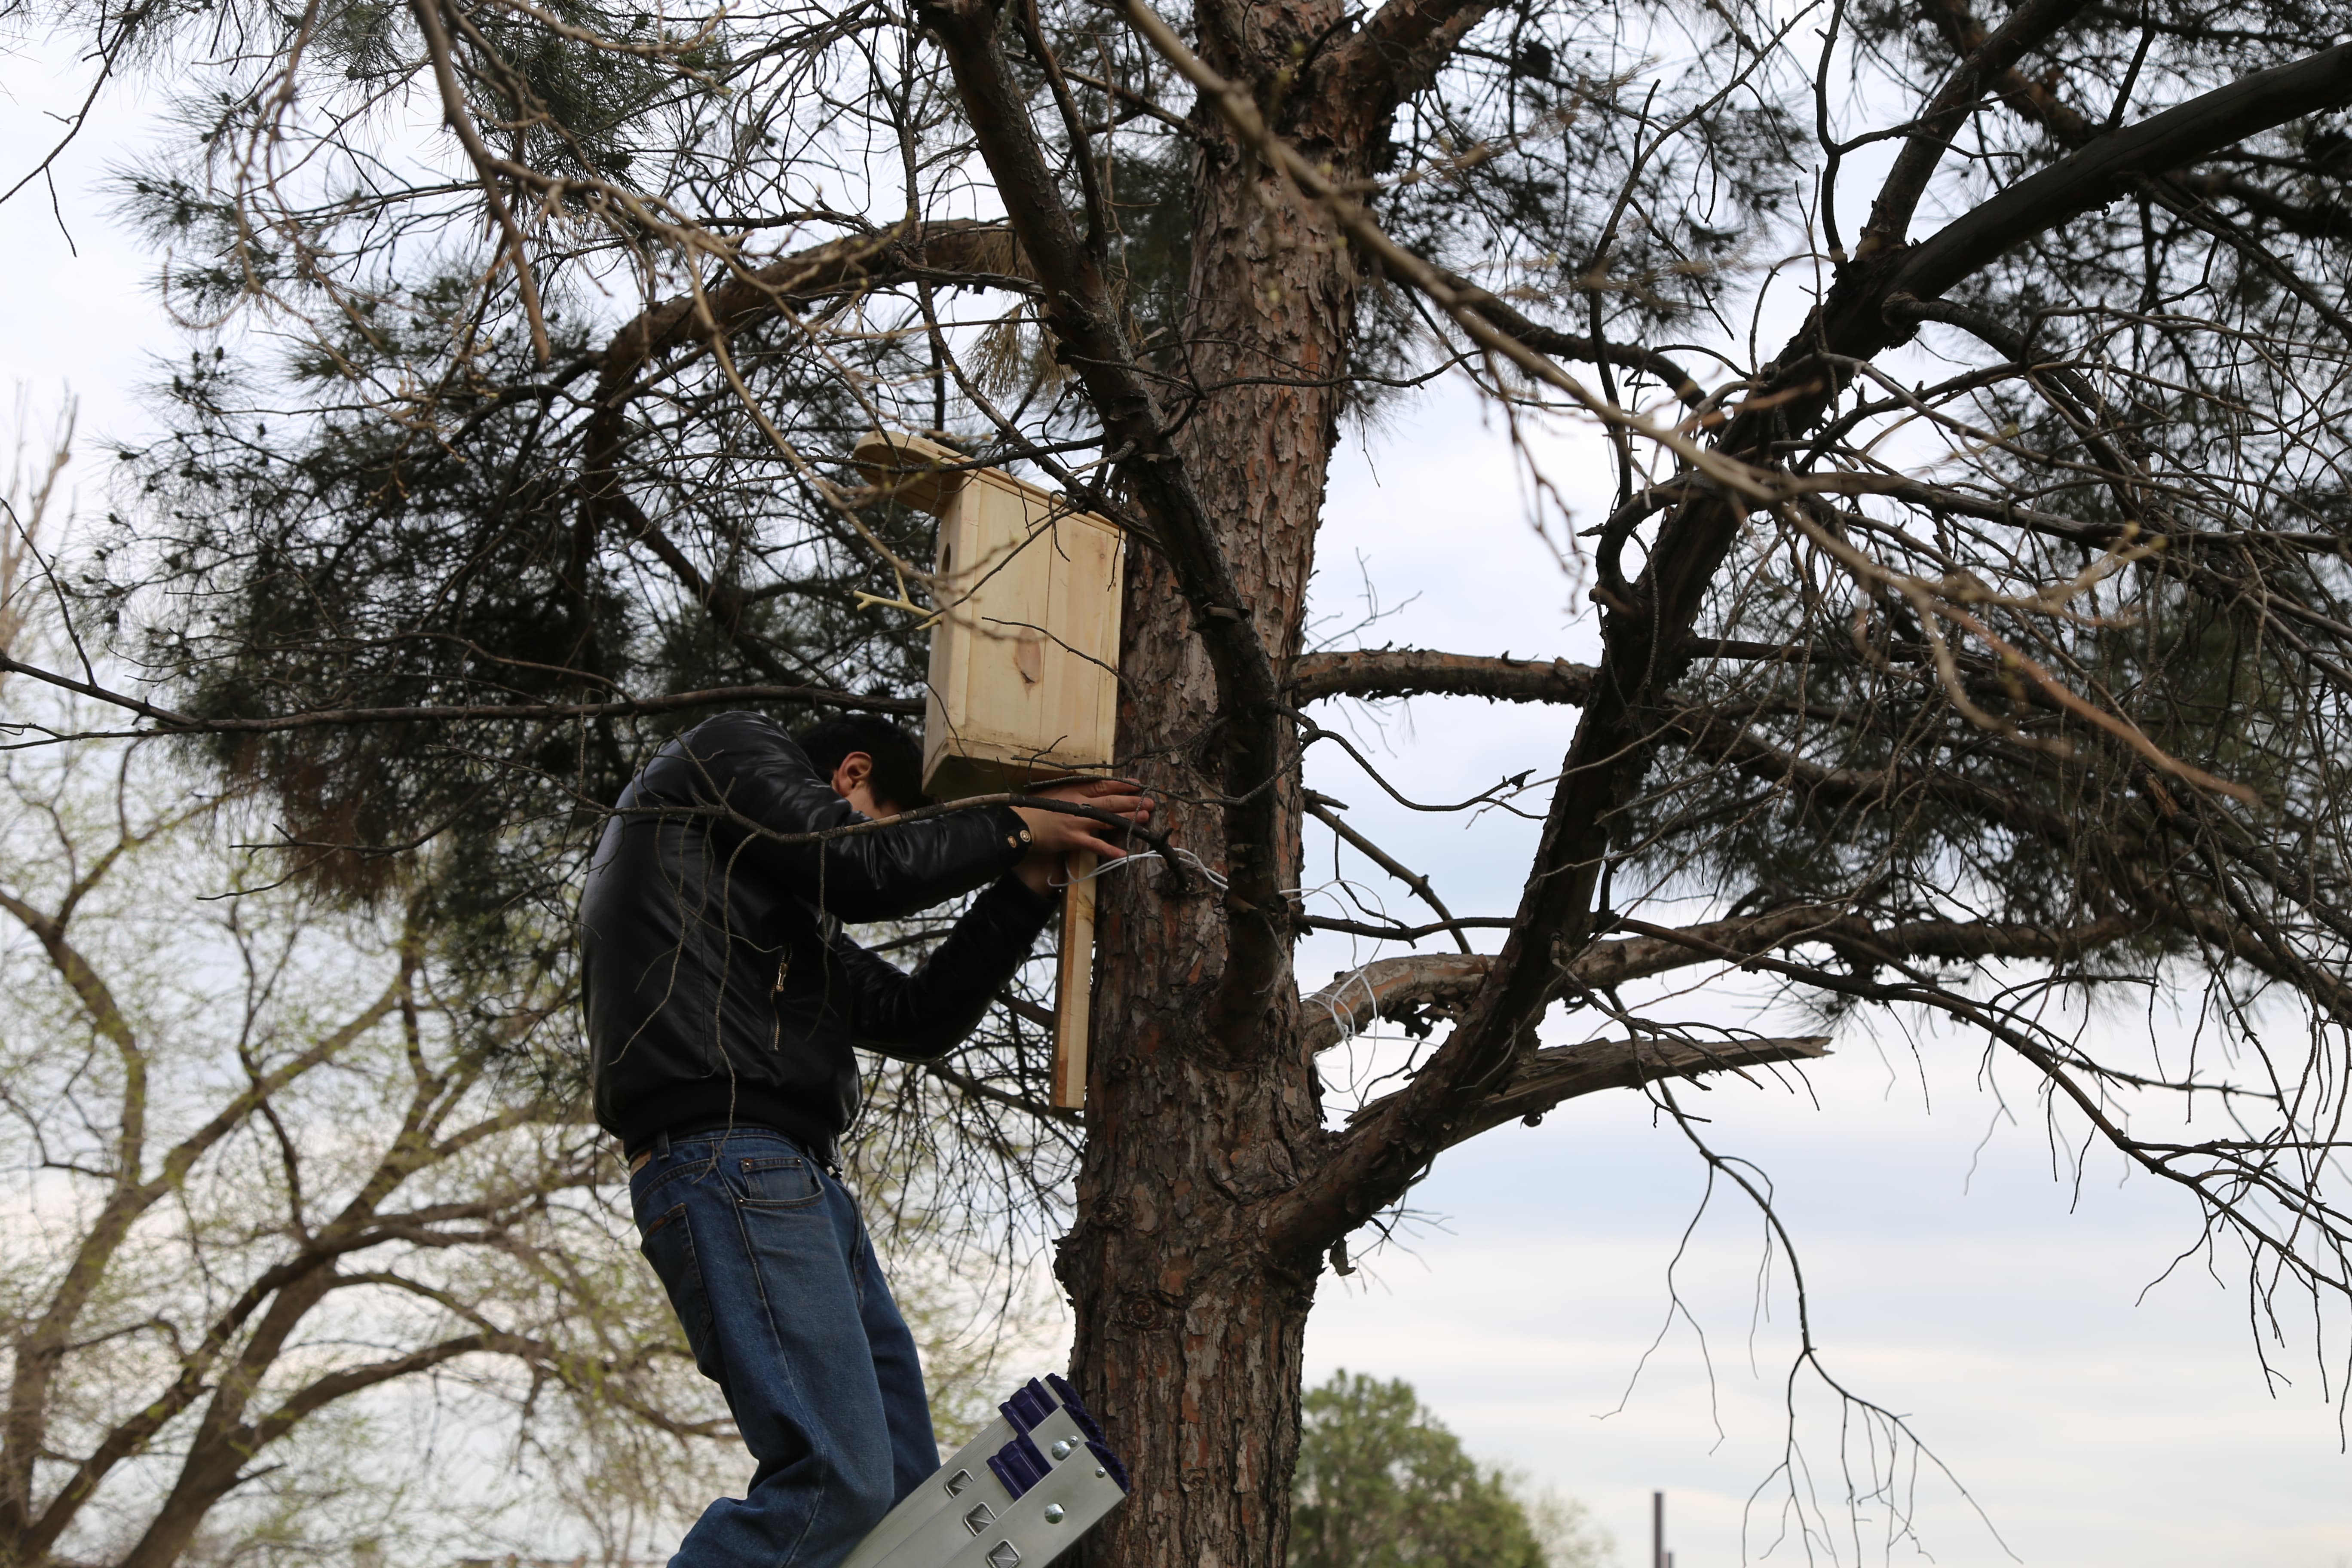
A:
{"x": 898, "y": 780}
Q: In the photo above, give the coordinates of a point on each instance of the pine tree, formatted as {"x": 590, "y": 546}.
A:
{"x": 1985, "y": 641}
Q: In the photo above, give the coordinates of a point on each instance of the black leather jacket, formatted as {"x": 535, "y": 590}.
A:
{"x": 718, "y": 985}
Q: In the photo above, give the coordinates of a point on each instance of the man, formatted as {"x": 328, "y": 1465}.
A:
{"x": 723, "y": 1005}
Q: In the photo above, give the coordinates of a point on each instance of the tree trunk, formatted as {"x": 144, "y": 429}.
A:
{"x": 1190, "y": 1332}
{"x": 218, "y": 1452}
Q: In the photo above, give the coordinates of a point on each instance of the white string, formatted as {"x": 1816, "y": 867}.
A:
{"x": 1199, "y": 864}
{"x": 1332, "y": 996}
{"x": 1099, "y": 868}
{"x": 1108, "y": 865}
{"x": 1105, "y": 866}
{"x": 1333, "y": 993}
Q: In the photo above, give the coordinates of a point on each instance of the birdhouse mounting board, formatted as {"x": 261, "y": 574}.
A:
{"x": 1025, "y": 660}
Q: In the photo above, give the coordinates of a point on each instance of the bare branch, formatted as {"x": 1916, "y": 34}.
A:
{"x": 1559, "y": 1073}
{"x": 1413, "y": 672}
{"x": 1320, "y": 807}
{"x": 2103, "y": 169}
{"x": 168, "y": 723}
{"x": 1646, "y": 641}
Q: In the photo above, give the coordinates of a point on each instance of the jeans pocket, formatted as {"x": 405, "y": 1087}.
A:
{"x": 777, "y": 1182}
{"x": 668, "y": 1246}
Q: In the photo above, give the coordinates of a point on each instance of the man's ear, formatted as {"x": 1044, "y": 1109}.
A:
{"x": 853, "y": 773}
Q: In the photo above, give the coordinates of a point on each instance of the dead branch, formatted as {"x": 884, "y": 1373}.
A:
{"x": 1377, "y": 673}
{"x": 1558, "y": 1073}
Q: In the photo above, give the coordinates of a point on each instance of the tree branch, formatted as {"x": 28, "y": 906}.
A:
{"x": 455, "y": 115}
{"x": 1396, "y": 54}
{"x": 1963, "y": 91}
{"x": 853, "y": 264}
{"x": 2105, "y": 169}
{"x": 1563, "y": 1072}
{"x": 324, "y": 1390}
{"x": 1416, "y": 984}
{"x": 1412, "y": 672}
{"x": 1321, "y": 808}
{"x": 1573, "y": 345}
{"x": 1645, "y": 642}
{"x": 690, "y": 323}
{"x": 170, "y": 722}
{"x": 39, "y": 1348}
{"x": 1387, "y": 988}
{"x": 964, "y": 1083}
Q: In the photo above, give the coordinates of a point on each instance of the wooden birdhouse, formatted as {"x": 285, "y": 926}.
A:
{"x": 1024, "y": 656}
{"x": 1024, "y": 664}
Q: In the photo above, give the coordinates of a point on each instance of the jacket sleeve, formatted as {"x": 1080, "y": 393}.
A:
{"x": 747, "y": 764}
{"x": 927, "y": 1013}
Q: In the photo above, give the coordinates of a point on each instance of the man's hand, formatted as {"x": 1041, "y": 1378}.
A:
{"x": 1054, "y": 834}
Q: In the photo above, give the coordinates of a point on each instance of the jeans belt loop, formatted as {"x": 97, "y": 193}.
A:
{"x": 644, "y": 1156}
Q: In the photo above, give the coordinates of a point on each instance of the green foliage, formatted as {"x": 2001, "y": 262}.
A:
{"x": 1382, "y": 1484}
{"x": 267, "y": 1095}
{"x": 340, "y": 559}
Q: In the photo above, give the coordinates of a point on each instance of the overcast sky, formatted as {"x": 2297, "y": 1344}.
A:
{"x": 1957, "y": 1276}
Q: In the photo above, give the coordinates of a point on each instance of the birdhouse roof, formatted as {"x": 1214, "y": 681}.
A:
{"x": 926, "y": 474}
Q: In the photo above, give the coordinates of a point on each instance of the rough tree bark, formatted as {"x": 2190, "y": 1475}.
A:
{"x": 1192, "y": 1329}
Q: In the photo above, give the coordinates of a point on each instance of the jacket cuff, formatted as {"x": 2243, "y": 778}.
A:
{"x": 1011, "y": 832}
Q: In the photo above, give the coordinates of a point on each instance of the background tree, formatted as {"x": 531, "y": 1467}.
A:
{"x": 275, "y": 1220}
{"x": 1976, "y": 648}
{"x": 1382, "y": 1484}
{"x": 301, "y": 1257}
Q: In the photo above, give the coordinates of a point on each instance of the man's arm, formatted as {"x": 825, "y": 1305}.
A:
{"x": 747, "y": 764}
{"x": 928, "y": 1013}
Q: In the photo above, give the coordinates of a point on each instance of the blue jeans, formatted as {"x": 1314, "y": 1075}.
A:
{"x": 772, "y": 1277}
